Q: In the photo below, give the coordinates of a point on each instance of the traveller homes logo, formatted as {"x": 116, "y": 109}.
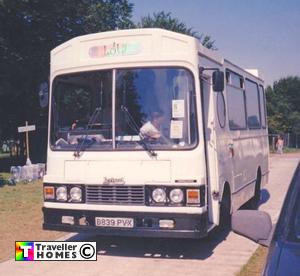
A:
{"x": 24, "y": 251}
{"x": 55, "y": 251}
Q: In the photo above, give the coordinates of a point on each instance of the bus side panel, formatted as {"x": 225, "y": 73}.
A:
{"x": 212, "y": 153}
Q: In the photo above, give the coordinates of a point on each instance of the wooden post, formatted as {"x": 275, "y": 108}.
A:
{"x": 27, "y": 142}
{"x": 26, "y": 129}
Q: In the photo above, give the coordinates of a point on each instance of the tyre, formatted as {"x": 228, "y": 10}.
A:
{"x": 253, "y": 203}
{"x": 221, "y": 231}
{"x": 225, "y": 208}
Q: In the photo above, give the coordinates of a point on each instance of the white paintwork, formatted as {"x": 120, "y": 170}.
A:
{"x": 26, "y": 128}
{"x": 254, "y": 72}
{"x": 250, "y": 146}
{"x": 163, "y": 48}
{"x": 85, "y": 171}
{"x": 120, "y": 208}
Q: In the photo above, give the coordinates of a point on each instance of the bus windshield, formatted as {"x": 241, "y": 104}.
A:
{"x": 155, "y": 106}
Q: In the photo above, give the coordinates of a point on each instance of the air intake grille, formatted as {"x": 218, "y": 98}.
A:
{"x": 115, "y": 194}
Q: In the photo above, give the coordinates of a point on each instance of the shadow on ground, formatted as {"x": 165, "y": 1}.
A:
{"x": 6, "y": 163}
{"x": 155, "y": 248}
{"x": 264, "y": 196}
{"x": 161, "y": 248}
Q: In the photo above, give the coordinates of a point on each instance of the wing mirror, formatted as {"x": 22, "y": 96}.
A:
{"x": 217, "y": 78}
{"x": 44, "y": 94}
{"x": 253, "y": 224}
{"x": 218, "y": 81}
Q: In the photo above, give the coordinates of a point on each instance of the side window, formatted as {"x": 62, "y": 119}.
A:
{"x": 252, "y": 104}
{"x": 221, "y": 109}
{"x": 235, "y": 101}
{"x": 262, "y": 102}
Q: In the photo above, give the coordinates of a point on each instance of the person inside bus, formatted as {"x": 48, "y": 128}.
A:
{"x": 151, "y": 129}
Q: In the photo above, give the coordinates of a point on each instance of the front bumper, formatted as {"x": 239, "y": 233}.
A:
{"x": 145, "y": 224}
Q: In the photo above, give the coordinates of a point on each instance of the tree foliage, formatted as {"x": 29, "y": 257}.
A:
{"x": 166, "y": 21}
{"x": 29, "y": 29}
{"x": 283, "y": 105}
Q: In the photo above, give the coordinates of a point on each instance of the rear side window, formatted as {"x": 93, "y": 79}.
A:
{"x": 235, "y": 101}
{"x": 262, "y": 103}
{"x": 252, "y": 104}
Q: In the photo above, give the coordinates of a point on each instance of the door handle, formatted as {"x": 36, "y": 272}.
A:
{"x": 231, "y": 149}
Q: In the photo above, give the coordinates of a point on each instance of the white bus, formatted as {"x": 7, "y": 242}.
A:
{"x": 151, "y": 134}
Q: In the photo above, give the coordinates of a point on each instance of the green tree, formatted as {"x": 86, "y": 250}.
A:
{"x": 29, "y": 30}
{"x": 283, "y": 101}
{"x": 166, "y": 21}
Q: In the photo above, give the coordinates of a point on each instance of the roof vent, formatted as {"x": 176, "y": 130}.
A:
{"x": 254, "y": 72}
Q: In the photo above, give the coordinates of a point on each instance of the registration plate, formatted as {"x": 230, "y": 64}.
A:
{"x": 114, "y": 222}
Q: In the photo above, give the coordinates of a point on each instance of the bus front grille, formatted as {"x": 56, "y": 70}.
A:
{"x": 115, "y": 194}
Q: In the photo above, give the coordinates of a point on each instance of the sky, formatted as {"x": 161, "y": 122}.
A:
{"x": 260, "y": 34}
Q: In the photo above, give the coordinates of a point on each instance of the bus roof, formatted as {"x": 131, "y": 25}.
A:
{"x": 128, "y": 46}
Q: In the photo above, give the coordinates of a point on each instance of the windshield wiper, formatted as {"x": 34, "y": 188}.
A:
{"x": 84, "y": 137}
{"x": 135, "y": 127}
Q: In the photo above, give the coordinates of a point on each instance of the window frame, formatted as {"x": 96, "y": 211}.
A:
{"x": 114, "y": 71}
{"x": 244, "y": 98}
{"x": 264, "y": 106}
{"x": 258, "y": 103}
{"x": 285, "y": 226}
{"x": 193, "y": 96}
{"x": 221, "y": 94}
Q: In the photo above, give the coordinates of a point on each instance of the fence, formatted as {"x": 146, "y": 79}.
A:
{"x": 291, "y": 140}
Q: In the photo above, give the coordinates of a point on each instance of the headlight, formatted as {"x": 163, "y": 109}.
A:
{"x": 176, "y": 196}
{"x": 61, "y": 194}
{"x": 159, "y": 195}
{"x": 76, "y": 194}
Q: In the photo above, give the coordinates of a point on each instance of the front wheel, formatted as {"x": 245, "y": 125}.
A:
{"x": 225, "y": 208}
{"x": 224, "y": 226}
{"x": 253, "y": 203}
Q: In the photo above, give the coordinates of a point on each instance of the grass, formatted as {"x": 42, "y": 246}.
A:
{"x": 21, "y": 216}
{"x": 286, "y": 150}
{"x": 255, "y": 265}
{"x": 4, "y": 178}
{"x": 291, "y": 150}
{"x": 4, "y": 155}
